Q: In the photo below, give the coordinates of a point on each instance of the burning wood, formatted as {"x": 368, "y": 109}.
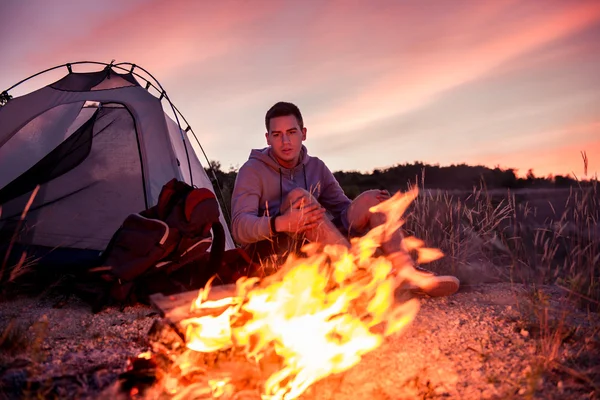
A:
{"x": 317, "y": 316}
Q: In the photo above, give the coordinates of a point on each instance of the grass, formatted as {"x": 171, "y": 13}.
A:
{"x": 518, "y": 236}
{"x": 535, "y": 237}
{"x": 14, "y": 339}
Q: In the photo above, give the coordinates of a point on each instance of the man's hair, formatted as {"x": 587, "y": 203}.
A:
{"x": 282, "y": 109}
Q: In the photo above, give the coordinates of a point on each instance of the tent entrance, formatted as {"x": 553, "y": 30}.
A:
{"x": 89, "y": 182}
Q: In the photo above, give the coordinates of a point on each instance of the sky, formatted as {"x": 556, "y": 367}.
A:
{"x": 506, "y": 83}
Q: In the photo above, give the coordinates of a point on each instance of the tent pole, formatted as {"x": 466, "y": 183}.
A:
{"x": 176, "y": 112}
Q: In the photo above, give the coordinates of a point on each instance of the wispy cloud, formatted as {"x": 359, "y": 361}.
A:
{"x": 163, "y": 35}
{"x": 418, "y": 77}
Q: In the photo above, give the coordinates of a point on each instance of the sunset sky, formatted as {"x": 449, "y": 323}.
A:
{"x": 509, "y": 83}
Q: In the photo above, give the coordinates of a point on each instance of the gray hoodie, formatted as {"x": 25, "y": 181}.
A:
{"x": 262, "y": 184}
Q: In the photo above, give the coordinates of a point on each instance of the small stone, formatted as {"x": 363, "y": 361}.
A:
{"x": 440, "y": 391}
{"x": 524, "y": 333}
{"x": 522, "y": 391}
{"x": 540, "y": 383}
{"x": 560, "y": 386}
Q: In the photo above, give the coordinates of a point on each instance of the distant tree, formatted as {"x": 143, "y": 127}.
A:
{"x": 215, "y": 165}
{"x": 563, "y": 181}
{"x": 223, "y": 184}
{"x": 509, "y": 179}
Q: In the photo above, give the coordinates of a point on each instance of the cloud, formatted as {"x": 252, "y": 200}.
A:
{"x": 163, "y": 36}
{"x": 523, "y": 109}
{"x": 419, "y": 77}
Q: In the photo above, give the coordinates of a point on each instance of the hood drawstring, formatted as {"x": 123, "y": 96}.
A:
{"x": 280, "y": 189}
{"x": 305, "y": 181}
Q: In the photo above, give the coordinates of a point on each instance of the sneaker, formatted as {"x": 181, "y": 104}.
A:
{"x": 433, "y": 285}
{"x": 439, "y": 286}
{"x": 425, "y": 281}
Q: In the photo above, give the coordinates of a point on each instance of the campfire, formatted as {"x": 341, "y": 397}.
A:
{"x": 315, "y": 317}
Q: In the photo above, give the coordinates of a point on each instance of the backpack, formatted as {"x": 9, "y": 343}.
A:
{"x": 174, "y": 246}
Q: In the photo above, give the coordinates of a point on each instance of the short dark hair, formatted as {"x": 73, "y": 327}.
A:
{"x": 282, "y": 109}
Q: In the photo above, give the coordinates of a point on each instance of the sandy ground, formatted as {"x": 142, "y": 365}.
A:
{"x": 487, "y": 341}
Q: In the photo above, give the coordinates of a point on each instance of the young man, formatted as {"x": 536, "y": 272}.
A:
{"x": 283, "y": 196}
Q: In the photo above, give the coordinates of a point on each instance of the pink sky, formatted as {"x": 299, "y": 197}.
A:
{"x": 507, "y": 83}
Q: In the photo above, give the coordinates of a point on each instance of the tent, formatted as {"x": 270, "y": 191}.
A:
{"x": 88, "y": 150}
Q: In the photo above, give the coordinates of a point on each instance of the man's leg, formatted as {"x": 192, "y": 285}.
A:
{"x": 326, "y": 232}
{"x": 274, "y": 252}
{"x": 361, "y": 220}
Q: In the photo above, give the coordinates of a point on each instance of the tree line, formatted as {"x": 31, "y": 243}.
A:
{"x": 428, "y": 176}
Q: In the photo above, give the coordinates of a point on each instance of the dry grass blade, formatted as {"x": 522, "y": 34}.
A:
{"x": 15, "y": 234}
{"x": 577, "y": 375}
{"x": 585, "y": 163}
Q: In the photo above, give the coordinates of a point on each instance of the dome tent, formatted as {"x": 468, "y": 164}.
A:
{"x": 100, "y": 146}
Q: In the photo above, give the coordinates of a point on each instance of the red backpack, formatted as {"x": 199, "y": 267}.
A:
{"x": 174, "y": 246}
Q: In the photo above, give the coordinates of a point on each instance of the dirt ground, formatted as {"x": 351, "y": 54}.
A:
{"x": 489, "y": 341}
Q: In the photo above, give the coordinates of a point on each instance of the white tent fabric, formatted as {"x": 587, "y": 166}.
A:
{"x": 106, "y": 160}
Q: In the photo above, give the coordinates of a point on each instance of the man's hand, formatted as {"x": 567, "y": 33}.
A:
{"x": 383, "y": 195}
{"x": 300, "y": 217}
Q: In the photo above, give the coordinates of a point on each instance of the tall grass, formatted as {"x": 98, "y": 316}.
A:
{"x": 542, "y": 237}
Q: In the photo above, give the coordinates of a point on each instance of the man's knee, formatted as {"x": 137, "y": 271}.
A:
{"x": 368, "y": 198}
{"x": 296, "y": 197}
{"x": 359, "y": 215}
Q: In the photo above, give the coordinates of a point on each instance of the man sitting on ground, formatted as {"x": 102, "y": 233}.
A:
{"x": 283, "y": 196}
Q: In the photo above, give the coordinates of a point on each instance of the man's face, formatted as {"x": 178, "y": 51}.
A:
{"x": 285, "y": 138}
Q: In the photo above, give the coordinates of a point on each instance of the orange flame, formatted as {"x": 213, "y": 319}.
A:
{"x": 319, "y": 314}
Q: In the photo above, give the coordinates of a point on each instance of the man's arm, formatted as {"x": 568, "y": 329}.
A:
{"x": 246, "y": 225}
